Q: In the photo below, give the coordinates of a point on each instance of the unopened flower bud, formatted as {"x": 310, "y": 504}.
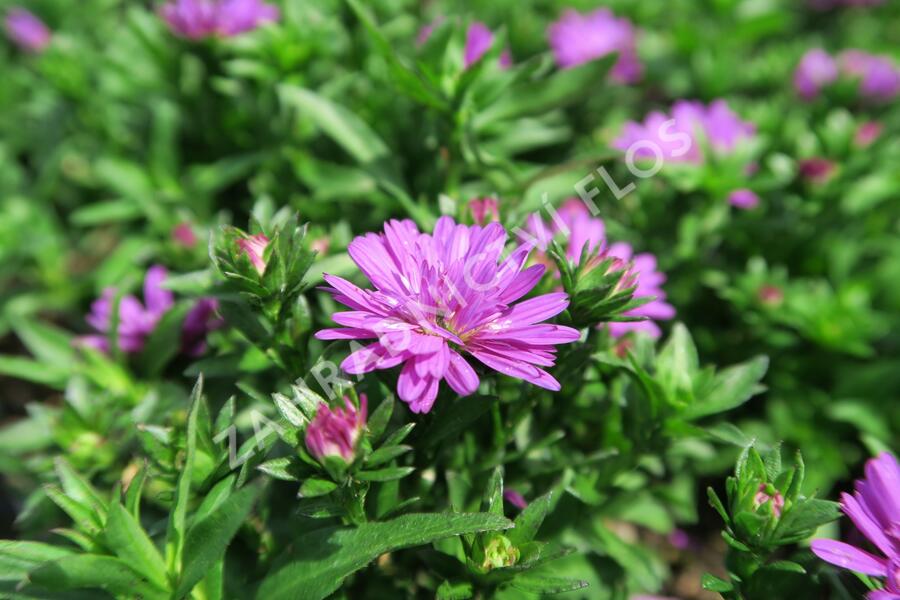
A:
{"x": 255, "y": 247}
{"x": 336, "y": 431}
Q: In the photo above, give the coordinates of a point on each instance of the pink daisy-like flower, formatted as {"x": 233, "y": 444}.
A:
{"x": 479, "y": 40}
{"x": 875, "y": 510}
{"x": 26, "y": 30}
{"x": 814, "y": 71}
{"x": 439, "y": 297}
{"x": 574, "y": 222}
{"x": 198, "y": 19}
{"x": 677, "y": 138}
{"x": 577, "y": 39}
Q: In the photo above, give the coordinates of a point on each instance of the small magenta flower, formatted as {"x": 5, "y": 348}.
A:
{"x": 336, "y": 431}
{"x": 816, "y": 170}
{"x": 770, "y": 295}
{"x": 579, "y": 38}
{"x": 439, "y": 297}
{"x": 815, "y": 70}
{"x": 26, "y": 30}
{"x": 875, "y": 510}
{"x": 254, "y": 247}
{"x": 484, "y": 210}
{"x": 198, "y": 19}
{"x": 878, "y": 76}
{"x": 743, "y": 198}
{"x": 678, "y": 138}
{"x": 767, "y": 493}
{"x": 479, "y": 40}
{"x": 136, "y": 321}
{"x": 867, "y": 134}
{"x": 183, "y": 234}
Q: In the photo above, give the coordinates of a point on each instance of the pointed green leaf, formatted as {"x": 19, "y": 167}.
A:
{"x": 319, "y": 561}
{"x": 125, "y": 536}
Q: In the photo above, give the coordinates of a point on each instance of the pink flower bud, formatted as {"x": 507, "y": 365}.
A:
{"x": 255, "y": 247}
{"x": 184, "y": 235}
{"x": 764, "y": 494}
{"x": 771, "y": 295}
{"x": 336, "y": 431}
{"x": 484, "y": 210}
{"x": 816, "y": 170}
{"x": 867, "y": 133}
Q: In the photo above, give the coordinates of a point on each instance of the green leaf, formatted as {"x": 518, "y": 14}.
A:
{"x": 125, "y": 536}
{"x": 545, "y": 584}
{"x": 52, "y": 376}
{"x": 407, "y": 77}
{"x": 386, "y": 474}
{"x": 315, "y": 487}
{"x": 715, "y": 584}
{"x": 386, "y": 454}
{"x": 319, "y": 561}
{"x": 78, "y": 488}
{"x": 452, "y": 418}
{"x": 380, "y": 417}
{"x": 731, "y": 388}
{"x": 47, "y": 343}
{"x": 529, "y": 520}
{"x": 536, "y": 97}
{"x": 18, "y": 558}
{"x": 280, "y": 468}
{"x": 178, "y": 515}
{"x": 209, "y": 537}
{"x": 94, "y": 571}
{"x": 134, "y": 491}
{"x": 454, "y": 591}
{"x": 807, "y": 515}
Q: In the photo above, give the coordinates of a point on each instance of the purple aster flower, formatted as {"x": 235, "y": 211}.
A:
{"x": 198, "y": 19}
{"x": 255, "y": 247}
{"x": 199, "y": 321}
{"x": 136, "y": 321}
{"x": 875, "y": 510}
{"x": 479, "y": 40}
{"x": 879, "y": 77}
{"x": 26, "y": 30}
{"x": 336, "y": 431}
{"x": 814, "y": 71}
{"x": 441, "y": 296}
{"x": 743, "y": 198}
{"x": 239, "y": 16}
{"x": 576, "y": 39}
{"x": 574, "y": 222}
{"x": 676, "y": 138}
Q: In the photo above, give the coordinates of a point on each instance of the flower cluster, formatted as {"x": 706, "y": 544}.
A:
{"x": 578, "y": 38}
{"x": 137, "y": 320}
{"x": 586, "y": 233}
{"x": 681, "y": 136}
{"x": 875, "y": 510}
{"x": 442, "y": 295}
{"x": 26, "y": 30}
{"x": 878, "y": 76}
{"x": 198, "y": 19}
